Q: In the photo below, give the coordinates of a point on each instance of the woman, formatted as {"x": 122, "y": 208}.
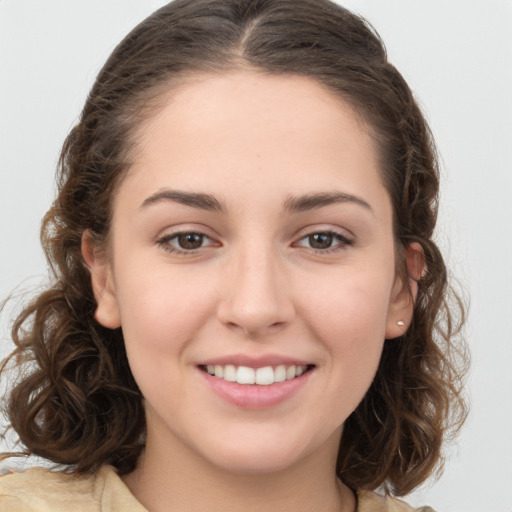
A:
{"x": 248, "y": 309}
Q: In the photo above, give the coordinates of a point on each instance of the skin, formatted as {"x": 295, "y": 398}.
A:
{"x": 256, "y": 286}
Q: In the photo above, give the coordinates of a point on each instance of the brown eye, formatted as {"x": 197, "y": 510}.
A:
{"x": 324, "y": 241}
{"x": 184, "y": 243}
{"x": 320, "y": 240}
{"x": 189, "y": 241}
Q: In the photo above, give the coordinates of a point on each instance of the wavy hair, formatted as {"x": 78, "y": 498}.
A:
{"x": 75, "y": 401}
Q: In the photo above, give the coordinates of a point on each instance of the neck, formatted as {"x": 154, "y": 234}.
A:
{"x": 182, "y": 480}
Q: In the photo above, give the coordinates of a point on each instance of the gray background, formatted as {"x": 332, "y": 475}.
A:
{"x": 457, "y": 57}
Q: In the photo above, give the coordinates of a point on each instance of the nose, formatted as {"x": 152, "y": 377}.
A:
{"x": 256, "y": 298}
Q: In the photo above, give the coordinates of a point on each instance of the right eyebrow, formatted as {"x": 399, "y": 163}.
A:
{"x": 321, "y": 199}
{"x": 193, "y": 199}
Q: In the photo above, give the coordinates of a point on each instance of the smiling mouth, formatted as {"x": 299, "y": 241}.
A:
{"x": 264, "y": 376}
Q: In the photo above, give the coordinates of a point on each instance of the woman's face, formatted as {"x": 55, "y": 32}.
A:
{"x": 252, "y": 239}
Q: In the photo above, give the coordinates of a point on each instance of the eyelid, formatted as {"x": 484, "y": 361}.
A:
{"x": 183, "y": 228}
{"x": 325, "y": 228}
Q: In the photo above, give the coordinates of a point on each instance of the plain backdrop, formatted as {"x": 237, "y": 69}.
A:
{"x": 456, "y": 56}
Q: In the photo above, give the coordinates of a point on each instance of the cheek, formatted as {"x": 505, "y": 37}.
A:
{"x": 350, "y": 307}
{"x": 349, "y": 318}
{"x": 160, "y": 315}
{"x": 161, "y": 311}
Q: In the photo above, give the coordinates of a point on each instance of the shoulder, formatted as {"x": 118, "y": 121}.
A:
{"x": 43, "y": 490}
{"x": 368, "y": 501}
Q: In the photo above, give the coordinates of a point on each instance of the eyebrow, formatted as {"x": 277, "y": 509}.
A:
{"x": 193, "y": 199}
{"x": 321, "y": 199}
{"x": 291, "y": 205}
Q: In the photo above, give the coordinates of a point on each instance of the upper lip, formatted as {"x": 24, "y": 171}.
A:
{"x": 255, "y": 361}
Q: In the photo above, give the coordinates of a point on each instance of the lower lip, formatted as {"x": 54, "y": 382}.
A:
{"x": 255, "y": 396}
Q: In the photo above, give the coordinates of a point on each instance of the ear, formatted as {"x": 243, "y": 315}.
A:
{"x": 403, "y": 297}
{"x": 107, "y": 310}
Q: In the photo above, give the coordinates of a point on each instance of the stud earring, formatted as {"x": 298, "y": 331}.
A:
{"x": 400, "y": 323}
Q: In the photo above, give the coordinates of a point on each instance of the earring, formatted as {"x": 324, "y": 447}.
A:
{"x": 400, "y": 323}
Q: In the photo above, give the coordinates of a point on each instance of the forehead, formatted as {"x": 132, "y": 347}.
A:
{"x": 248, "y": 129}
{"x": 249, "y": 99}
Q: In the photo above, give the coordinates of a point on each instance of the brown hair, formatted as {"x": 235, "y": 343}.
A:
{"x": 77, "y": 403}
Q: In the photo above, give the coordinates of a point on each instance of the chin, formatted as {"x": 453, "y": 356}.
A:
{"x": 260, "y": 455}
{"x": 260, "y": 462}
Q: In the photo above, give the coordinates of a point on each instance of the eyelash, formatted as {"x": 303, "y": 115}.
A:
{"x": 165, "y": 242}
{"x": 343, "y": 241}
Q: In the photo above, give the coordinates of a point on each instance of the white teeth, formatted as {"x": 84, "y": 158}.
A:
{"x": 245, "y": 375}
{"x": 290, "y": 373}
{"x": 280, "y": 374}
{"x": 230, "y": 373}
{"x": 264, "y": 376}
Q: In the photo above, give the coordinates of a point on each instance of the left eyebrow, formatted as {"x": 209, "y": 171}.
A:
{"x": 192, "y": 199}
{"x": 321, "y": 199}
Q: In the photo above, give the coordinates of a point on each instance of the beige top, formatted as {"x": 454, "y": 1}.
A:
{"x": 41, "y": 490}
